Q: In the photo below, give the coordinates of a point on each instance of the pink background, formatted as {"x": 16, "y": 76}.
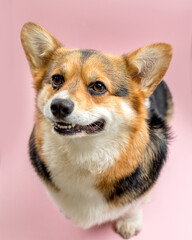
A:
{"x": 114, "y": 26}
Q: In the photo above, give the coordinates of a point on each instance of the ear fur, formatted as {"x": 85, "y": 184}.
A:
{"x": 38, "y": 44}
{"x": 148, "y": 65}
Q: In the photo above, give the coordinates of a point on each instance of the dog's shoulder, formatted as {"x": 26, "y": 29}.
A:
{"x": 145, "y": 175}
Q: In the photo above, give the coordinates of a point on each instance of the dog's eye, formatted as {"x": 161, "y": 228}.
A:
{"x": 57, "y": 80}
{"x": 97, "y": 88}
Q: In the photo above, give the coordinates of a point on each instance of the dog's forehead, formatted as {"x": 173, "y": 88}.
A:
{"x": 77, "y": 60}
{"x": 91, "y": 65}
{"x": 86, "y": 61}
{"x": 85, "y": 56}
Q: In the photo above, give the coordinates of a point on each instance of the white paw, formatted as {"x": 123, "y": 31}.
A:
{"x": 128, "y": 228}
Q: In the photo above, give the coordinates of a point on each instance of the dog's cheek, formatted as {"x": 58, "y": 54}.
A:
{"x": 43, "y": 98}
{"x": 122, "y": 114}
{"x": 127, "y": 112}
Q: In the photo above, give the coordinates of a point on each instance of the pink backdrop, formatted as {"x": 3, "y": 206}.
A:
{"x": 114, "y": 26}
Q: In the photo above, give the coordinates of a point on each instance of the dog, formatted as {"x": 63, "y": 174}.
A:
{"x": 101, "y": 127}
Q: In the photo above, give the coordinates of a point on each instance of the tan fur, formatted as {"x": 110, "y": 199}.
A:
{"x": 129, "y": 159}
{"x": 39, "y": 141}
{"x": 129, "y": 79}
{"x": 169, "y": 113}
{"x": 149, "y": 74}
{"x": 77, "y": 82}
{"x": 39, "y": 133}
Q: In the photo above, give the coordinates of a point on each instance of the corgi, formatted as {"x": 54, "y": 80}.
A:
{"x": 101, "y": 128}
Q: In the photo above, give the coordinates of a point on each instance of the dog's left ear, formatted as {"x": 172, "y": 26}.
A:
{"x": 38, "y": 44}
{"x": 148, "y": 65}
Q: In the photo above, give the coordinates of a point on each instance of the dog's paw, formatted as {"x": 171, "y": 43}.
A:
{"x": 128, "y": 227}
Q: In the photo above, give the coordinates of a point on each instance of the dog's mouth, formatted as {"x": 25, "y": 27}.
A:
{"x": 65, "y": 128}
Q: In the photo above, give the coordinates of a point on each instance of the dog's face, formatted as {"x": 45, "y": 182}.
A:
{"x": 85, "y": 92}
{"x": 88, "y": 93}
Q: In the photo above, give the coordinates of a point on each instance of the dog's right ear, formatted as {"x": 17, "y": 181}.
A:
{"x": 38, "y": 44}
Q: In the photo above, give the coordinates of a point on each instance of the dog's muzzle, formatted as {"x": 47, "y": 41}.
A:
{"x": 61, "y": 109}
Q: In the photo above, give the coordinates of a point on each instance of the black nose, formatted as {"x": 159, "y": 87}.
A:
{"x": 61, "y": 108}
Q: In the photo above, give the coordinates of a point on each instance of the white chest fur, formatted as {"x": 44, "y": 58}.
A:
{"x": 73, "y": 170}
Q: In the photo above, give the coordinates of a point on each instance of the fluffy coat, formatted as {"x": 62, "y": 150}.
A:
{"x": 101, "y": 127}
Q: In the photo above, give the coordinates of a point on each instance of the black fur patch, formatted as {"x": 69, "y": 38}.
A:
{"x": 122, "y": 92}
{"x": 143, "y": 178}
{"x": 36, "y": 161}
{"x": 85, "y": 54}
{"x": 126, "y": 184}
{"x": 158, "y": 99}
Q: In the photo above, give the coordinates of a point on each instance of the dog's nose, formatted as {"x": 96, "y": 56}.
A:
{"x": 61, "y": 108}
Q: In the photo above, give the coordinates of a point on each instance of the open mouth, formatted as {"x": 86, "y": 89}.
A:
{"x": 64, "y": 128}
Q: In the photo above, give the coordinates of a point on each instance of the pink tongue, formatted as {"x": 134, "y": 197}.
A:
{"x": 85, "y": 128}
{"x": 78, "y": 127}
{"x": 92, "y": 128}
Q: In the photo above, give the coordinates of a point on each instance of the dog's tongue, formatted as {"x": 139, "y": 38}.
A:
{"x": 78, "y": 128}
{"x": 86, "y": 128}
{"x": 94, "y": 127}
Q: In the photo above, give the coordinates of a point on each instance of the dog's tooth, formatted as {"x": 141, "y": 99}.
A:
{"x": 69, "y": 126}
{"x": 73, "y": 125}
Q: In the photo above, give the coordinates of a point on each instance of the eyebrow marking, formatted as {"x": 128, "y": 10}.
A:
{"x": 86, "y": 53}
{"x": 63, "y": 69}
{"x": 122, "y": 91}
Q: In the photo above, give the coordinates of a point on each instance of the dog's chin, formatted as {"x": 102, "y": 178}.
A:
{"x": 76, "y": 130}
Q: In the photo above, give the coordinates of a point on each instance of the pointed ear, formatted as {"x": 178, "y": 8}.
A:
{"x": 148, "y": 65}
{"x": 38, "y": 44}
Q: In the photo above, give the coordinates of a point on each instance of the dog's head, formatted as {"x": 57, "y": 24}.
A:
{"x": 87, "y": 92}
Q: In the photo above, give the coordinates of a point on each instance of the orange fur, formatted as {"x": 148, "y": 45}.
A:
{"x": 128, "y": 80}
